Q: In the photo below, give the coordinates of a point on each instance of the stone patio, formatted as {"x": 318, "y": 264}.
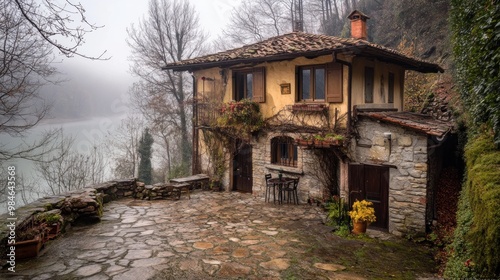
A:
{"x": 211, "y": 236}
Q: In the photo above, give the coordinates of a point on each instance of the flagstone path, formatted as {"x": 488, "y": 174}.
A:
{"x": 210, "y": 236}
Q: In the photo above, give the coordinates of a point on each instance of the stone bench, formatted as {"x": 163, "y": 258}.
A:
{"x": 194, "y": 181}
{"x": 184, "y": 186}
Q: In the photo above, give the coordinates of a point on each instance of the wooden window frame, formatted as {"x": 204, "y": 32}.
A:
{"x": 390, "y": 95}
{"x": 258, "y": 84}
{"x": 278, "y": 156}
{"x": 369, "y": 84}
{"x": 243, "y": 74}
{"x": 312, "y": 82}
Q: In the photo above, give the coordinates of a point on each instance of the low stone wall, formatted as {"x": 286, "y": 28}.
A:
{"x": 84, "y": 205}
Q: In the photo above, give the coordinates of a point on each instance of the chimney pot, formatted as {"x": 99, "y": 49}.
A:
{"x": 358, "y": 25}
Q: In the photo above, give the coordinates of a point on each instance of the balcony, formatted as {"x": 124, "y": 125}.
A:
{"x": 208, "y": 113}
{"x": 239, "y": 118}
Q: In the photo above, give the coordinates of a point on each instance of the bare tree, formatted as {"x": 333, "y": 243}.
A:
{"x": 55, "y": 21}
{"x": 65, "y": 170}
{"x": 124, "y": 143}
{"x": 256, "y": 20}
{"x": 29, "y": 31}
{"x": 24, "y": 66}
{"x": 169, "y": 33}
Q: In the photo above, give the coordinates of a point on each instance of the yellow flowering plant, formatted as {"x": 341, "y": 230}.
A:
{"x": 362, "y": 211}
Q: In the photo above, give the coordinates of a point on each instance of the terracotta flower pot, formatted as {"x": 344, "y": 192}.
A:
{"x": 29, "y": 248}
{"x": 359, "y": 227}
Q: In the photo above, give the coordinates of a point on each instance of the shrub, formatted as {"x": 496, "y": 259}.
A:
{"x": 242, "y": 117}
{"x": 337, "y": 213}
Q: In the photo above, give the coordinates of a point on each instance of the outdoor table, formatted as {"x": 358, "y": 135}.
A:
{"x": 280, "y": 183}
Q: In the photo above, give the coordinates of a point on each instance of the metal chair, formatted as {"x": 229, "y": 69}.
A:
{"x": 269, "y": 185}
{"x": 291, "y": 190}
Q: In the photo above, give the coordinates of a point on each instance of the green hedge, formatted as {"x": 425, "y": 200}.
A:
{"x": 475, "y": 251}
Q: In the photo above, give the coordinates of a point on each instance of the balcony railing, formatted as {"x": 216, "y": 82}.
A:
{"x": 236, "y": 118}
{"x": 208, "y": 113}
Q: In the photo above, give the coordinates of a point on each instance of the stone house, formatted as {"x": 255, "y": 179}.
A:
{"x": 332, "y": 115}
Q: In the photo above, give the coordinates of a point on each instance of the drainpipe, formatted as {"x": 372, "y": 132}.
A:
{"x": 349, "y": 90}
{"x": 194, "y": 154}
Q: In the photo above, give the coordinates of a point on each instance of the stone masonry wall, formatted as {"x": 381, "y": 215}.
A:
{"x": 407, "y": 151}
{"x": 309, "y": 184}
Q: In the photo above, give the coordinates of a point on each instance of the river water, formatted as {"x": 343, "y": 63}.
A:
{"x": 85, "y": 132}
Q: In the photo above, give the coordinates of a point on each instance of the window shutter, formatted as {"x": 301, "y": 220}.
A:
{"x": 298, "y": 93}
{"x": 369, "y": 79}
{"x": 334, "y": 87}
{"x": 259, "y": 85}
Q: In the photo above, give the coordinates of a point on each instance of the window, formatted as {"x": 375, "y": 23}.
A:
{"x": 320, "y": 83}
{"x": 312, "y": 83}
{"x": 369, "y": 78}
{"x": 249, "y": 84}
{"x": 390, "y": 98}
{"x": 244, "y": 85}
{"x": 283, "y": 151}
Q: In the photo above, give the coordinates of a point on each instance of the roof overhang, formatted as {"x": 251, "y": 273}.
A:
{"x": 366, "y": 51}
{"x": 420, "y": 123}
{"x": 233, "y": 62}
{"x": 390, "y": 57}
{"x": 299, "y": 44}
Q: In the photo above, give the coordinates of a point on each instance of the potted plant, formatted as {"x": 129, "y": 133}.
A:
{"x": 361, "y": 215}
{"x": 29, "y": 241}
{"x": 305, "y": 140}
{"x": 53, "y": 221}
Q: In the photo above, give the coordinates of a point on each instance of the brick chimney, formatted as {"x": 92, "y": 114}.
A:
{"x": 358, "y": 25}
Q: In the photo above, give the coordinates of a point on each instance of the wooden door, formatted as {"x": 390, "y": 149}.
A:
{"x": 242, "y": 169}
{"x": 371, "y": 182}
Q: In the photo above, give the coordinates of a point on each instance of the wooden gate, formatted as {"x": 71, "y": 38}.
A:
{"x": 371, "y": 182}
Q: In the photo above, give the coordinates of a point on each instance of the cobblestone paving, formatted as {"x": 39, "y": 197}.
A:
{"x": 211, "y": 236}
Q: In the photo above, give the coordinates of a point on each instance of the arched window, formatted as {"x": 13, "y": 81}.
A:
{"x": 283, "y": 151}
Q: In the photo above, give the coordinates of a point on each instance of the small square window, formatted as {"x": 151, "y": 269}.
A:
{"x": 283, "y": 151}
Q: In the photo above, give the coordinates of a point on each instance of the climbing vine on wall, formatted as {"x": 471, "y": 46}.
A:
{"x": 240, "y": 119}
{"x": 217, "y": 163}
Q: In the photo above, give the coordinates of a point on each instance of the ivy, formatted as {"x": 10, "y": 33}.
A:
{"x": 476, "y": 40}
{"x": 475, "y": 251}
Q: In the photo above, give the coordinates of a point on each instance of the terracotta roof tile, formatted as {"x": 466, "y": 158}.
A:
{"x": 418, "y": 122}
{"x": 297, "y": 44}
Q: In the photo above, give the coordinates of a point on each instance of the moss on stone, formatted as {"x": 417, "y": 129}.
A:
{"x": 475, "y": 251}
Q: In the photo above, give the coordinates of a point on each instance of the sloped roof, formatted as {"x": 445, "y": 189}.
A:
{"x": 296, "y": 44}
{"x": 418, "y": 122}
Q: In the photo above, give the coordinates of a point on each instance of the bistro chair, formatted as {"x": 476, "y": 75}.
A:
{"x": 269, "y": 186}
{"x": 291, "y": 191}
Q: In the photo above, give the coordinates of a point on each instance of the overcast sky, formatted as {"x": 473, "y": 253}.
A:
{"x": 116, "y": 16}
